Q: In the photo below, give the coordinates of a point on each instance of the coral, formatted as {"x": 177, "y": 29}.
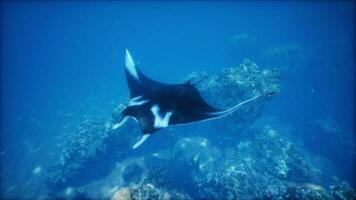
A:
{"x": 90, "y": 154}
{"x": 257, "y": 167}
{"x": 122, "y": 194}
{"x": 306, "y": 191}
{"x": 132, "y": 172}
{"x": 256, "y": 161}
{"x": 342, "y": 191}
{"x": 149, "y": 191}
{"x": 234, "y": 85}
{"x": 96, "y": 146}
{"x": 196, "y": 149}
{"x": 156, "y": 185}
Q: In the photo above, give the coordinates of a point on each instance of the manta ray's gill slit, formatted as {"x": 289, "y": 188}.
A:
{"x": 136, "y": 101}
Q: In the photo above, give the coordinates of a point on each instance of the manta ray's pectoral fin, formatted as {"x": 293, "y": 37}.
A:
{"x": 133, "y": 76}
{"x": 141, "y": 141}
{"x": 139, "y": 84}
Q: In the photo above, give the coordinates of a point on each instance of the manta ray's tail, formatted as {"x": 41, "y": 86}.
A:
{"x": 201, "y": 80}
{"x": 234, "y": 108}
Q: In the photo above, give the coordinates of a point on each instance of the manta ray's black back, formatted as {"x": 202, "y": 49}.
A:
{"x": 190, "y": 106}
{"x": 183, "y": 100}
{"x": 144, "y": 85}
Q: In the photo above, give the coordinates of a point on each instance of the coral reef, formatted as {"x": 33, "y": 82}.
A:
{"x": 122, "y": 194}
{"x": 257, "y": 167}
{"x": 94, "y": 146}
{"x": 132, "y": 172}
{"x": 234, "y": 85}
{"x": 256, "y": 161}
{"x": 267, "y": 164}
{"x": 154, "y": 185}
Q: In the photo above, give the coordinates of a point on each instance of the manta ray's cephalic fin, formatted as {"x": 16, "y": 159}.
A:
{"x": 143, "y": 138}
{"x": 120, "y": 123}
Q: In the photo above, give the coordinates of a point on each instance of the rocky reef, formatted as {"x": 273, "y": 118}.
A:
{"x": 257, "y": 161}
{"x": 90, "y": 153}
{"x": 235, "y": 84}
{"x": 262, "y": 165}
{"x": 155, "y": 186}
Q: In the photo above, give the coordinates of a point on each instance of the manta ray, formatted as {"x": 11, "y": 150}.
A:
{"x": 155, "y": 105}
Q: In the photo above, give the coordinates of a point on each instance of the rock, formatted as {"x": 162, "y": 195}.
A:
{"x": 233, "y": 85}
{"x": 196, "y": 149}
{"x": 257, "y": 167}
{"x": 122, "y": 194}
{"x": 132, "y": 172}
{"x": 91, "y": 153}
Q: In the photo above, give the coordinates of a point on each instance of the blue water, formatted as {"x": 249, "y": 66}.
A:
{"x": 62, "y": 61}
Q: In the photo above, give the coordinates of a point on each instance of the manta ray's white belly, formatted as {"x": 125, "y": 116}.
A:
{"x": 160, "y": 121}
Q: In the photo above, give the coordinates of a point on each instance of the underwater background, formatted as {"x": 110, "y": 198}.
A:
{"x": 63, "y": 85}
